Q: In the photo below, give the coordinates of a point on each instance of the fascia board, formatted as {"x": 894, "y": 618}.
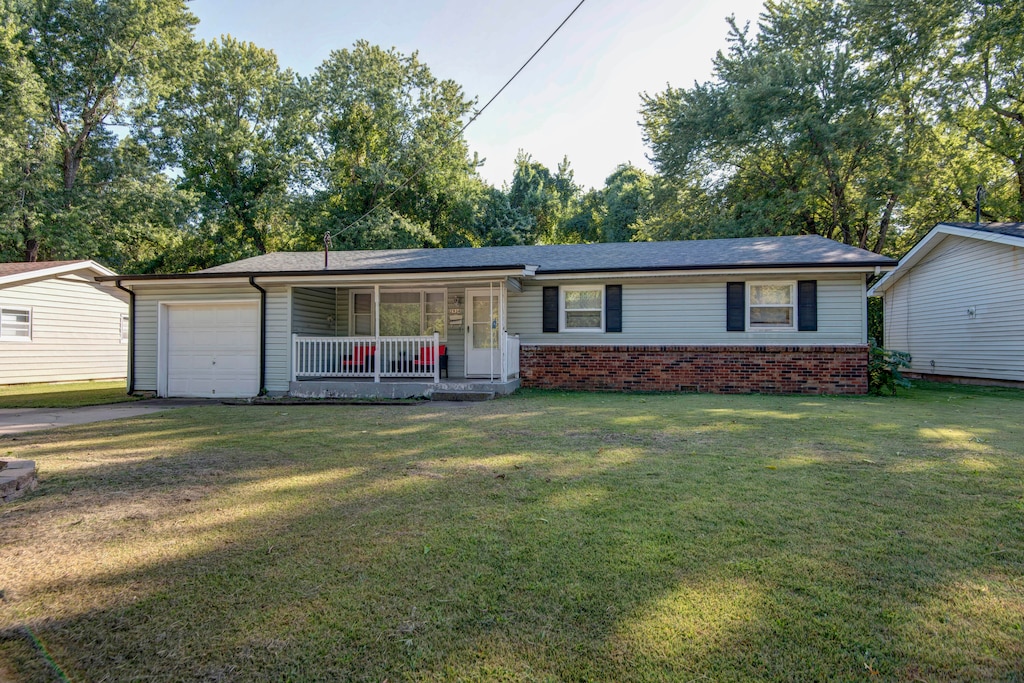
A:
{"x": 719, "y": 272}
{"x": 933, "y": 239}
{"x": 45, "y": 273}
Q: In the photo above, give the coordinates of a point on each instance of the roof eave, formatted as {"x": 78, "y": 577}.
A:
{"x": 516, "y": 270}
{"x": 932, "y": 239}
{"x": 43, "y": 273}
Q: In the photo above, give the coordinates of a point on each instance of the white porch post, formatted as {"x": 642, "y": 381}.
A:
{"x": 502, "y": 334}
{"x": 437, "y": 356}
{"x": 295, "y": 354}
{"x": 378, "y": 356}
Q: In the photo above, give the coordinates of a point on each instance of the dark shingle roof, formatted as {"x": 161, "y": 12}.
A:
{"x": 757, "y": 252}
{"x": 1012, "y": 229}
{"x": 29, "y": 267}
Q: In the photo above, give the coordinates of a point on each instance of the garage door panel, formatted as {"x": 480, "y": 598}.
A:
{"x": 213, "y": 350}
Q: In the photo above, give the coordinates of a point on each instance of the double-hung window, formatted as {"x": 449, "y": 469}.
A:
{"x": 771, "y": 305}
{"x": 583, "y": 308}
{"x": 16, "y": 324}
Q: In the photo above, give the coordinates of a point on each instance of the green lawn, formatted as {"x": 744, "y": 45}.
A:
{"x": 544, "y": 537}
{"x": 65, "y": 395}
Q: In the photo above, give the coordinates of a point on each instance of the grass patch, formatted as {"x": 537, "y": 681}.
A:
{"x": 543, "y": 537}
{"x": 63, "y": 395}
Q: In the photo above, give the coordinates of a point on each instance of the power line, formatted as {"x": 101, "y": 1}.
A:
{"x": 328, "y": 236}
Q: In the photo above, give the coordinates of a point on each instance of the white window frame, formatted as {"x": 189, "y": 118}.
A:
{"x": 792, "y": 305}
{"x": 373, "y": 308}
{"x": 125, "y": 328}
{"x": 16, "y": 310}
{"x": 561, "y": 307}
{"x": 352, "y": 313}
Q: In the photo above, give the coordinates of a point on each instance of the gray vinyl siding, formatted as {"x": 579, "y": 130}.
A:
{"x": 147, "y": 311}
{"x": 341, "y": 315}
{"x": 693, "y": 312}
{"x": 926, "y": 310}
{"x": 76, "y": 332}
{"x": 313, "y": 311}
{"x": 279, "y": 346}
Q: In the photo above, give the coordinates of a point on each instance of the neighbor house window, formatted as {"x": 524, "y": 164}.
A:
{"x": 16, "y": 324}
{"x": 408, "y": 313}
{"x": 125, "y": 328}
{"x": 583, "y": 308}
{"x": 771, "y": 305}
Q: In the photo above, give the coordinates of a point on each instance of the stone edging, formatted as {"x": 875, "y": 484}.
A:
{"x": 17, "y": 477}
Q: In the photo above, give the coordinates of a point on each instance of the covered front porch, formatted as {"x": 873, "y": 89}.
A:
{"x": 402, "y": 340}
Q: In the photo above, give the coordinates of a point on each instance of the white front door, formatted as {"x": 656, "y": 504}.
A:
{"x": 483, "y": 353}
{"x": 213, "y": 350}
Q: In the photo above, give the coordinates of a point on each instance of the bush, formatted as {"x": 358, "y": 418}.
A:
{"x": 884, "y": 368}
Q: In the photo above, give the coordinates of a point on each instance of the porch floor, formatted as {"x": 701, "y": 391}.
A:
{"x": 396, "y": 387}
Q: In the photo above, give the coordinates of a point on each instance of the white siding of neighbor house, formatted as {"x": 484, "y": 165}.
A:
{"x": 76, "y": 332}
{"x": 926, "y": 311}
{"x": 693, "y": 311}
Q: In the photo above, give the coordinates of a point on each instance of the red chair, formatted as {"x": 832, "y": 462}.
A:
{"x": 424, "y": 361}
{"x": 362, "y": 358}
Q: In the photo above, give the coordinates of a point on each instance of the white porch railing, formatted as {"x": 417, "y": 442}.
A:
{"x": 382, "y": 357}
{"x": 365, "y": 357}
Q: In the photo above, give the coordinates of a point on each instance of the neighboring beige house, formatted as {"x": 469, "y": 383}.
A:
{"x": 58, "y": 325}
{"x": 955, "y": 301}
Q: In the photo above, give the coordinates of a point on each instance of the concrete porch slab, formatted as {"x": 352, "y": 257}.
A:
{"x": 396, "y": 388}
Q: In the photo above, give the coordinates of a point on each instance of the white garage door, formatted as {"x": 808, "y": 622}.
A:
{"x": 213, "y": 350}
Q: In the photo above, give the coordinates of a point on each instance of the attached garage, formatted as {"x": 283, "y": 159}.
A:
{"x": 211, "y": 350}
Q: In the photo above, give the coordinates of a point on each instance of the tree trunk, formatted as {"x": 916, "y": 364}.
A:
{"x": 32, "y": 249}
{"x": 883, "y": 226}
{"x": 1020, "y": 191}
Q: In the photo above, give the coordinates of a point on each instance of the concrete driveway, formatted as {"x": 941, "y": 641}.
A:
{"x": 18, "y": 420}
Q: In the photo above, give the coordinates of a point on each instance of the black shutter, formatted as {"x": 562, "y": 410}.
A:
{"x": 551, "y": 309}
{"x": 613, "y": 308}
{"x": 735, "y": 306}
{"x": 807, "y": 305}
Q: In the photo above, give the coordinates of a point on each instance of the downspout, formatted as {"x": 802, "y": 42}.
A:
{"x": 263, "y": 334}
{"x": 131, "y": 336}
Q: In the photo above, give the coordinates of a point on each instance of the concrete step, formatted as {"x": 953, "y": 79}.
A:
{"x": 17, "y": 478}
{"x": 452, "y": 395}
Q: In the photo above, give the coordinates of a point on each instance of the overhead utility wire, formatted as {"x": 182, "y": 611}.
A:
{"x": 328, "y": 236}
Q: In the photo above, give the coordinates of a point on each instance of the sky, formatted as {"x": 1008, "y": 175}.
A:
{"x": 580, "y": 97}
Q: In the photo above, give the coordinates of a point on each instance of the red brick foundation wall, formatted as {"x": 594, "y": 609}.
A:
{"x": 712, "y": 369}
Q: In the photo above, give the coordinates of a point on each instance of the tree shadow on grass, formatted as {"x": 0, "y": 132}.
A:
{"x": 602, "y": 540}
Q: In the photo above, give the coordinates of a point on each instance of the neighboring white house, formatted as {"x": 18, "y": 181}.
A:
{"x": 57, "y": 324}
{"x": 956, "y": 302}
{"x": 774, "y": 314}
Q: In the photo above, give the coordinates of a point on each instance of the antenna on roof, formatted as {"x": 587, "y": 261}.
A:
{"x": 327, "y": 247}
{"x": 979, "y": 197}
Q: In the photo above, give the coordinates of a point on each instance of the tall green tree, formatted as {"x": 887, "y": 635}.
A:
{"x": 982, "y": 94}
{"x": 816, "y": 125}
{"x": 235, "y": 132}
{"x": 386, "y": 134}
{"x": 95, "y": 64}
{"x": 628, "y": 199}
{"x": 548, "y": 199}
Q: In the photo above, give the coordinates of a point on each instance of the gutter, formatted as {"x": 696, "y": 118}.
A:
{"x": 131, "y": 336}
{"x": 519, "y": 270}
{"x": 263, "y": 334}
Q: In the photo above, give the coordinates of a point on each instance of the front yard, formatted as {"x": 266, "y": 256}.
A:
{"x": 543, "y": 537}
{"x": 63, "y": 395}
